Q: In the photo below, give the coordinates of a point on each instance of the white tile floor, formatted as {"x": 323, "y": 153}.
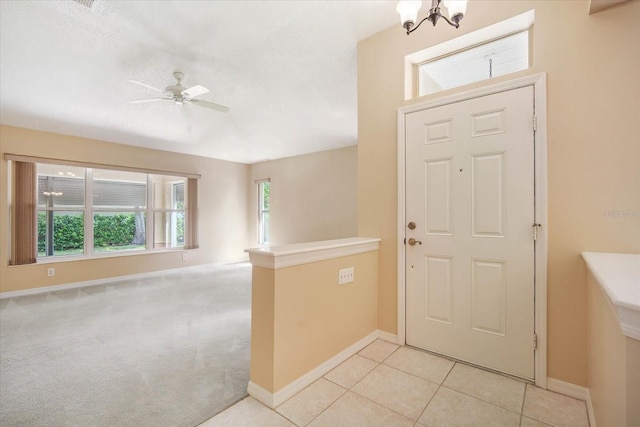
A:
{"x": 386, "y": 385}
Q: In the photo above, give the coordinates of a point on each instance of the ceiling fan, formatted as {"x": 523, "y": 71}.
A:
{"x": 180, "y": 95}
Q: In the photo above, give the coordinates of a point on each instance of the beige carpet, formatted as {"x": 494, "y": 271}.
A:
{"x": 172, "y": 350}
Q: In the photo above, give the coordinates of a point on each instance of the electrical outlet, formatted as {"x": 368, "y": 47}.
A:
{"x": 184, "y": 257}
{"x": 345, "y": 276}
{"x": 51, "y": 272}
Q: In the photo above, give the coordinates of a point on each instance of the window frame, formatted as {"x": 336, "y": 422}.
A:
{"x": 261, "y": 212}
{"x": 175, "y": 210}
{"x": 417, "y": 66}
{"x": 90, "y": 249}
{"x": 50, "y": 211}
{"x": 89, "y": 210}
{"x": 509, "y": 26}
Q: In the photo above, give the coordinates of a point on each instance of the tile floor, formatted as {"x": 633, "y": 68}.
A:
{"x": 387, "y": 385}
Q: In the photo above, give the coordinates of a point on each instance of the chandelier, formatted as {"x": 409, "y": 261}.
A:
{"x": 408, "y": 10}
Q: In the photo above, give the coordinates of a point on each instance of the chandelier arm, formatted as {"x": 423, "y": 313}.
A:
{"x": 416, "y": 27}
{"x": 433, "y": 16}
{"x": 453, "y": 24}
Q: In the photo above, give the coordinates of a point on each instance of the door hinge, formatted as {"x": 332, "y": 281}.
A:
{"x": 535, "y": 123}
{"x": 535, "y": 228}
{"x": 535, "y": 341}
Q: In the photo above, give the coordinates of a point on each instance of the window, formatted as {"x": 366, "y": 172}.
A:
{"x": 491, "y": 59}
{"x": 264, "y": 193}
{"x": 61, "y": 208}
{"x": 168, "y": 211}
{"x": 118, "y": 210}
{"x": 93, "y": 211}
{"x": 495, "y": 50}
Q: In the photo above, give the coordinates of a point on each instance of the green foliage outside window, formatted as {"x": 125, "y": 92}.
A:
{"x": 180, "y": 230}
{"x": 68, "y": 231}
{"x": 266, "y": 192}
{"x": 180, "y": 224}
{"x": 113, "y": 230}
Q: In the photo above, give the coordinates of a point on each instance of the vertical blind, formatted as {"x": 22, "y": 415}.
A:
{"x": 24, "y": 231}
{"x": 191, "y": 232}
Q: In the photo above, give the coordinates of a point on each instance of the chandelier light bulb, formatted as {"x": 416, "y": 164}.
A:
{"x": 456, "y": 8}
{"x": 408, "y": 10}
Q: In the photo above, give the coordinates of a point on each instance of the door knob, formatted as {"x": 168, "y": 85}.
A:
{"x": 411, "y": 225}
{"x": 413, "y": 241}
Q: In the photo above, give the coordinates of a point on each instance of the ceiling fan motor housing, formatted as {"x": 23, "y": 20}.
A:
{"x": 179, "y": 94}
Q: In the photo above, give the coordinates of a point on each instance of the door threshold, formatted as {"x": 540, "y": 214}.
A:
{"x": 473, "y": 365}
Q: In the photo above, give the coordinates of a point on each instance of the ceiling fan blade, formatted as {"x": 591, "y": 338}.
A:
{"x": 210, "y": 105}
{"x": 146, "y": 85}
{"x": 144, "y": 101}
{"x": 194, "y": 91}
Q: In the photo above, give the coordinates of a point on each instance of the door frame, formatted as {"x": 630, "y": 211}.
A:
{"x": 539, "y": 83}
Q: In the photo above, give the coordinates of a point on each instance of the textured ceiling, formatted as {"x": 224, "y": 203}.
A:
{"x": 287, "y": 69}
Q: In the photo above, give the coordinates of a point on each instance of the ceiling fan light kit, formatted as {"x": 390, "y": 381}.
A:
{"x": 179, "y": 95}
{"x": 408, "y": 10}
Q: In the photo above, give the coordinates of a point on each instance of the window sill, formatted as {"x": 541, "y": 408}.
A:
{"x": 70, "y": 258}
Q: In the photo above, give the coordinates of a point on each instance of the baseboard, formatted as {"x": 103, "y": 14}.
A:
{"x": 87, "y": 283}
{"x": 261, "y": 394}
{"x": 388, "y": 336}
{"x": 574, "y": 391}
{"x": 567, "y": 389}
{"x": 274, "y": 399}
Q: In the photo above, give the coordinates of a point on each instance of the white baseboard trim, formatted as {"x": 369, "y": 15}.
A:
{"x": 567, "y": 389}
{"x": 575, "y": 391}
{"x": 388, "y": 336}
{"x": 260, "y": 394}
{"x": 274, "y": 399}
{"x": 87, "y": 283}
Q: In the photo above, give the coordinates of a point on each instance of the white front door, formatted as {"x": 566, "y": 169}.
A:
{"x": 470, "y": 193}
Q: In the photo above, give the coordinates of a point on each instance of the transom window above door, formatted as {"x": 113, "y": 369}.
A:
{"x": 496, "y": 50}
{"x": 492, "y": 59}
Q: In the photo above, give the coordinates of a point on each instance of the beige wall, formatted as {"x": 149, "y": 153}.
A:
{"x": 301, "y": 317}
{"x": 633, "y": 382}
{"x": 593, "y": 98}
{"x": 613, "y": 363}
{"x": 263, "y": 292}
{"x": 313, "y": 197}
{"x": 223, "y": 207}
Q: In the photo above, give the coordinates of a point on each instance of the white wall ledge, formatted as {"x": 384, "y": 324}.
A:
{"x": 274, "y": 257}
{"x": 619, "y": 276}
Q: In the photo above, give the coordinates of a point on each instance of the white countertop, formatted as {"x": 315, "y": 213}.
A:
{"x": 619, "y": 276}
{"x": 302, "y": 253}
